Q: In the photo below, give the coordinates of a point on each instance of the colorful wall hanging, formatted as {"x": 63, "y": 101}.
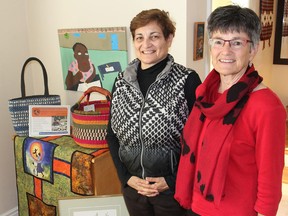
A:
{"x": 266, "y": 15}
{"x": 285, "y": 20}
{"x": 54, "y": 167}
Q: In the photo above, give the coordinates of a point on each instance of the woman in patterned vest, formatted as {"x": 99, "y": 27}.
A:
{"x": 151, "y": 101}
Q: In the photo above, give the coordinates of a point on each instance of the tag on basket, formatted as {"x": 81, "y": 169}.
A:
{"x": 90, "y": 107}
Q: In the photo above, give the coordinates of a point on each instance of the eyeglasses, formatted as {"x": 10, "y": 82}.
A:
{"x": 235, "y": 44}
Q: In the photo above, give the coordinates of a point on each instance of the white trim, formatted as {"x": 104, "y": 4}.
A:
{"x": 11, "y": 212}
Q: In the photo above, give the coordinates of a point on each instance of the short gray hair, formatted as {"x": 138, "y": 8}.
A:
{"x": 235, "y": 18}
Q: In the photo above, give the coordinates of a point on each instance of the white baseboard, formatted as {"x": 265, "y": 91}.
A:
{"x": 11, "y": 212}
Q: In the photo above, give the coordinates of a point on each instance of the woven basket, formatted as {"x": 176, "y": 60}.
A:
{"x": 89, "y": 128}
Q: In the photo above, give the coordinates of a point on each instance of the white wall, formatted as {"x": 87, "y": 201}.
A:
{"x": 197, "y": 11}
{"x": 14, "y": 48}
{"x": 54, "y": 15}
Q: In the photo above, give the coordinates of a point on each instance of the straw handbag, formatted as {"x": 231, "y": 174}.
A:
{"x": 19, "y": 107}
{"x": 89, "y": 127}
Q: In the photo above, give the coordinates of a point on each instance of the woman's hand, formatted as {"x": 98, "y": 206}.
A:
{"x": 149, "y": 187}
{"x": 77, "y": 77}
{"x": 158, "y": 183}
{"x": 152, "y": 186}
{"x": 142, "y": 186}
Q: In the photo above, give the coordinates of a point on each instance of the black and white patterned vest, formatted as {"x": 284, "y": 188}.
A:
{"x": 149, "y": 129}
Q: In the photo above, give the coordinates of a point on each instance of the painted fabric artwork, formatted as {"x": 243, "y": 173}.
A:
{"x": 92, "y": 56}
{"x": 38, "y": 158}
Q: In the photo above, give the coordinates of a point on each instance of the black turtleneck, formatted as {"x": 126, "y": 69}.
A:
{"x": 147, "y": 76}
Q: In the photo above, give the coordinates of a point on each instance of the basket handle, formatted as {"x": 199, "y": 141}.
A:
{"x": 23, "y": 91}
{"x": 100, "y": 90}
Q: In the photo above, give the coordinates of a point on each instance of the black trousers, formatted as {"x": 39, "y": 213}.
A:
{"x": 161, "y": 205}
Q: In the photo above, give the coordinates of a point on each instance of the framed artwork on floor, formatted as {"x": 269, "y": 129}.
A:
{"x": 106, "y": 205}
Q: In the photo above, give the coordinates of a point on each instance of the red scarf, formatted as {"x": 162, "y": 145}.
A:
{"x": 212, "y": 154}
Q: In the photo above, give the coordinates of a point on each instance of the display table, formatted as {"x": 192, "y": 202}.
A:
{"x": 56, "y": 167}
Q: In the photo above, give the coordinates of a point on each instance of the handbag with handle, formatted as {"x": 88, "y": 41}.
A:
{"x": 19, "y": 107}
{"x": 90, "y": 119}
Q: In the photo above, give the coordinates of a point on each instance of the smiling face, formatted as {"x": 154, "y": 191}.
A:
{"x": 228, "y": 61}
{"x": 150, "y": 44}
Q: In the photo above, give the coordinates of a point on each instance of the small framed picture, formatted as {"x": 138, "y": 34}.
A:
{"x": 106, "y": 205}
{"x": 199, "y": 28}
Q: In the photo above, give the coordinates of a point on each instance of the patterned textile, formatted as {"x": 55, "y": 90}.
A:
{"x": 266, "y": 13}
{"x": 50, "y": 168}
{"x": 285, "y": 20}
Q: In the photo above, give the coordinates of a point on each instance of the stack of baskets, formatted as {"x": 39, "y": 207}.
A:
{"x": 90, "y": 119}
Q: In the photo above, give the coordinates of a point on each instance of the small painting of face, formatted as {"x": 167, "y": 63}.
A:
{"x": 150, "y": 45}
{"x": 227, "y": 61}
{"x": 82, "y": 57}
